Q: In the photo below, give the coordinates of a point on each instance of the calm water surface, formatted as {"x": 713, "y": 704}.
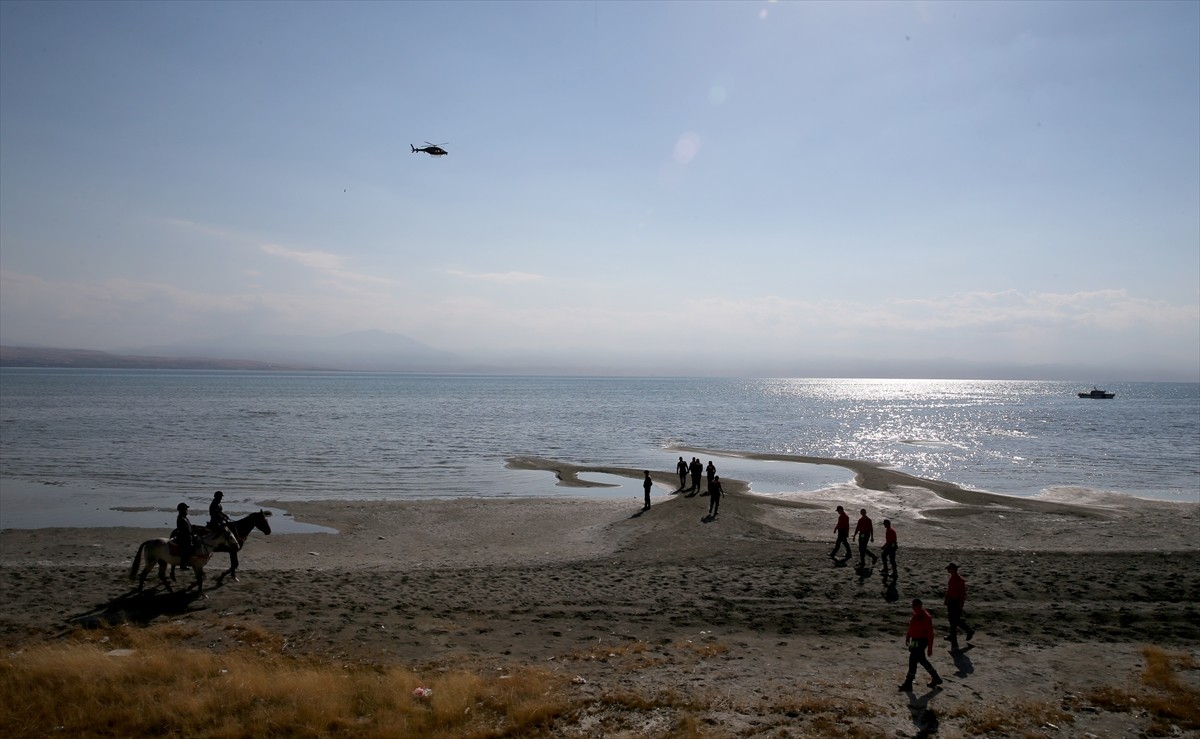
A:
{"x": 363, "y": 436}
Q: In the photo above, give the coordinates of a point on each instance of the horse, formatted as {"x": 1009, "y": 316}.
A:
{"x": 158, "y": 551}
{"x": 240, "y": 531}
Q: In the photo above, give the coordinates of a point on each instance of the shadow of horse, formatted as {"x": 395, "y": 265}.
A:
{"x": 137, "y": 608}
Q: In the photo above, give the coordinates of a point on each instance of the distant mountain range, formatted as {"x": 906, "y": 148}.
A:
{"x": 364, "y": 351}
{"x": 30, "y": 356}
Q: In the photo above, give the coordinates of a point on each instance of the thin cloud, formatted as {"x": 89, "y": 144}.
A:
{"x": 318, "y": 260}
{"x": 329, "y": 264}
{"x": 324, "y": 262}
{"x": 500, "y": 277}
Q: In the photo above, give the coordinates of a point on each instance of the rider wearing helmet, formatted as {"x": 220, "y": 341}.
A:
{"x": 183, "y": 536}
{"x": 217, "y": 520}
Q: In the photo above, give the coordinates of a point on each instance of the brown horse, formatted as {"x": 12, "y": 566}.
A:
{"x": 240, "y": 530}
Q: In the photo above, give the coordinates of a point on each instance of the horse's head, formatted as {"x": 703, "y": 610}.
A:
{"x": 261, "y": 523}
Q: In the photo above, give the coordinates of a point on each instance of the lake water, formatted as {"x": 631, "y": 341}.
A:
{"x": 156, "y": 437}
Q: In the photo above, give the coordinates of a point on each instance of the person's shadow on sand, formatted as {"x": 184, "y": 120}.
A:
{"x": 962, "y": 663}
{"x": 840, "y": 562}
{"x": 923, "y": 717}
{"x": 891, "y": 593}
{"x": 135, "y": 607}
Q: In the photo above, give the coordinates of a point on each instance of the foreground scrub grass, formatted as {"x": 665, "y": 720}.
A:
{"x": 1168, "y": 703}
{"x": 130, "y": 681}
{"x": 1166, "y": 698}
{"x": 138, "y": 682}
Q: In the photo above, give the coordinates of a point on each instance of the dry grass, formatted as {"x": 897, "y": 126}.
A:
{"x": 1009, "y": 719}
{"x": 130, "y": 681}
{"x": 639, "y": 655}
{"x": 153, "y": 686}
{"x": 1167, "y": 698}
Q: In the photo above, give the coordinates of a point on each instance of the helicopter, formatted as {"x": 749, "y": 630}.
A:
{"x": 433, "y": 150}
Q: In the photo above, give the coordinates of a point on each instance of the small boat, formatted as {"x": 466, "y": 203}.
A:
{"x": 1098, "y": 394}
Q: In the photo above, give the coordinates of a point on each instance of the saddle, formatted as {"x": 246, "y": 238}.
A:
{"x": 201, "y": 545}
{"x": 198, "y": 547}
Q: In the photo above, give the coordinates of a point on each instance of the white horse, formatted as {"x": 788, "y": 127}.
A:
{"x": 158, "y": 551}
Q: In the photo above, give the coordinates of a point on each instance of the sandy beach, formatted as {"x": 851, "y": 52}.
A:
{"x": 743, "y": 623}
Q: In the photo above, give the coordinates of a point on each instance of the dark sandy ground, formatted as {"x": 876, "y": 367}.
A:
{"x": 739, "y": 622}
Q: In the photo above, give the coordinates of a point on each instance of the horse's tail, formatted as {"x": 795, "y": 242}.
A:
{"x": 137, "y": 562}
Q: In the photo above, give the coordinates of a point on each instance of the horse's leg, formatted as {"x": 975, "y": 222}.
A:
{"x": 233, "y": 565}
{"x": 200, "y": 581}
{"x": 162, "y": 575}
{"x": 145, "y": 574}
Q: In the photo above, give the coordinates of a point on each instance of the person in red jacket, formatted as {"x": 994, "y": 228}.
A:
{"x": 889, "y": 548}
{"x": 842, "y": 529}
{"x": 956, "y": 596}
{"x": 865, "y": 532}
{"x": 919, "y": 640}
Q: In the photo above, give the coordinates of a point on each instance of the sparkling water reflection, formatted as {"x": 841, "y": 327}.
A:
{"x": 347, "y": 435}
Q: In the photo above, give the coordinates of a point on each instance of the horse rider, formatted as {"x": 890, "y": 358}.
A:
{"x": 217, "y": 519}
{"x": 183, "y": 536}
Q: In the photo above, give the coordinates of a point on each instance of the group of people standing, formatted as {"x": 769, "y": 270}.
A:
{"x": 695, "y": 469}
{"x": 920, "y": 635}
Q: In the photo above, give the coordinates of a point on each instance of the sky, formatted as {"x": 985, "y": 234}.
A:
{"x": 666, "y": 187}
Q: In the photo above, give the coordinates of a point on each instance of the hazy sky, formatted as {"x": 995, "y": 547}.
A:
{"x": 677, "y": 184}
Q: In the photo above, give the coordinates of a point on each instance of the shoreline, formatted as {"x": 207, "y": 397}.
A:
{"x": 664, "y": 602}
{"x": 43, "y": 503}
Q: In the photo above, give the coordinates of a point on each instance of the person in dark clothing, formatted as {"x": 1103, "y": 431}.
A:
{"x": 919, "y": 640}
{"x": 865, "y": 532}
{"x": 646, "y": 485}
{"x": 696, "y": 469}
{"x": 682, "y": 469}
{"x": 889, "y": 548}
{"x": 842, "y": 529}
{"x": 217, "y": 519}
{"x": 184, "y": 536}
{"x": 714, "y": 496}
{"x": 956, "y": 596}
{"x": 710, "y": 472}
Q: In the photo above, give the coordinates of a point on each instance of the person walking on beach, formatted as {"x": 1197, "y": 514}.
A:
{"x": 183, "y": 536}
{"x": 889, "y": 548}
{"x": 842, "y": 529}
{"x": 682, "y": 469}
{"x": 711, "y": 471}
{"x": 919, "y": 640}
{"x": 647, "y": 483}
{"x": 714, "y": 496}
{"x": 866, "y": 534}
{"x": 956, "y": 596}
{"x": 696, "y": 469}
